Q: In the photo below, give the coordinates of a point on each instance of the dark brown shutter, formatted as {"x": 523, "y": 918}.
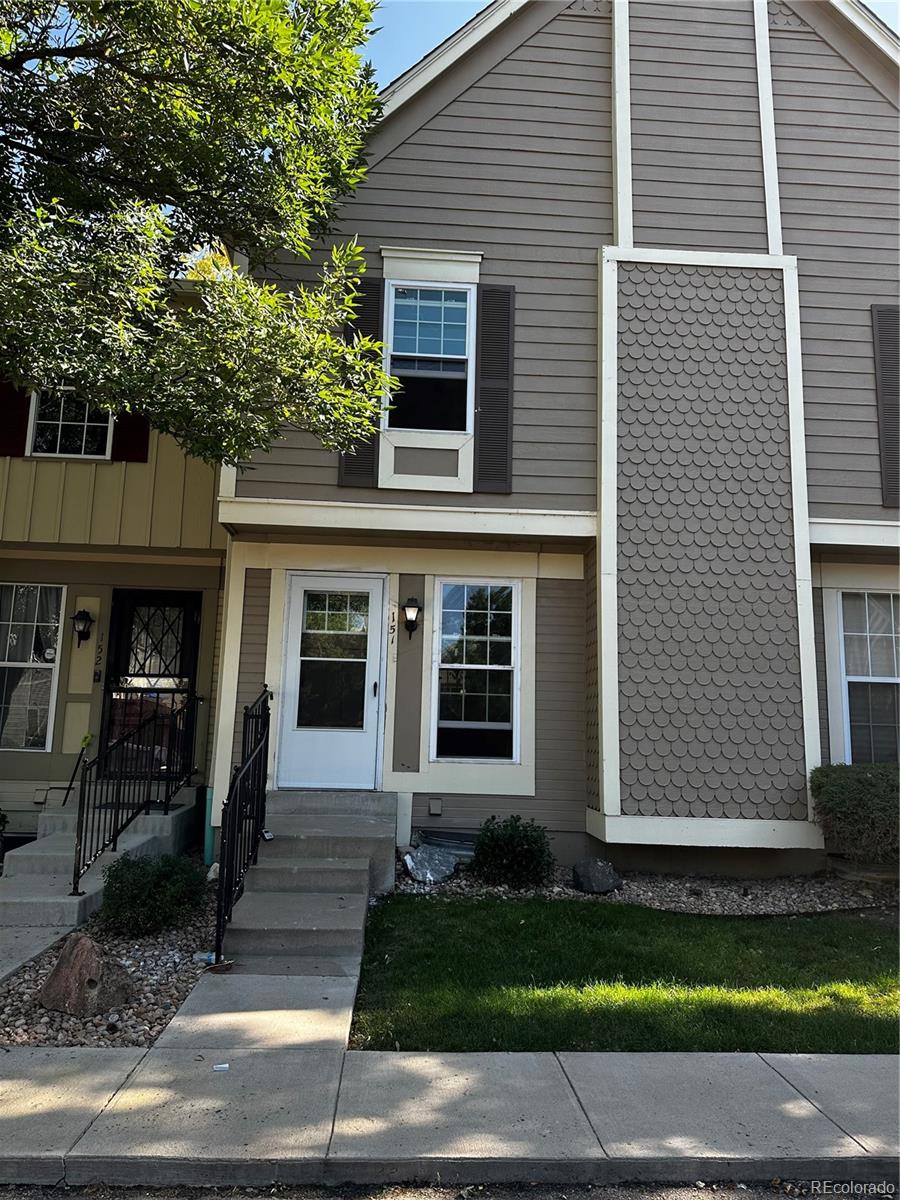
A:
{"x": 359, "y": 468}
{"x": 886, "y": 333}
{"x": 15, "y": 407}
{"x": 131, "y": 438}
{"x": 494, "y": 389}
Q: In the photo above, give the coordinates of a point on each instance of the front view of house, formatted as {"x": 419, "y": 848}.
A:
{"x": 622, "y": 557}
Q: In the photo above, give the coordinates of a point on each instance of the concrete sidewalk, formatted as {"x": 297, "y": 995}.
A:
{"x": 321, "y": 1115}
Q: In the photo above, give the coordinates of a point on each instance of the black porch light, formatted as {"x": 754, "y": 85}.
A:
{"x": 411, "y": 610}
{"x": 81, "y": 623}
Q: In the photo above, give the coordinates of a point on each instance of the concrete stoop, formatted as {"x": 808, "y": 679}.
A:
{"x": 307, "y": 896}
{"x": 37, "y": 878}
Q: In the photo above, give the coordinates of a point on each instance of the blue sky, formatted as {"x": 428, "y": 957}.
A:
{"x": 410, "y": 28}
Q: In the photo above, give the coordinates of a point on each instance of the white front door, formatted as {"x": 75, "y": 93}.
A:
{"x": 332, "y": 679}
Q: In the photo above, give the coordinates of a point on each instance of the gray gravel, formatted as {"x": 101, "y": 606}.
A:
{"x": 163, "y": 973}
{"x": 704, "y": 895}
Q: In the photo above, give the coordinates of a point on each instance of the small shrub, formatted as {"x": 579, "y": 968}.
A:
{"x": 857, "y": 809}
{"x": 145, "y": 895}
{"x": 513, "y": 852}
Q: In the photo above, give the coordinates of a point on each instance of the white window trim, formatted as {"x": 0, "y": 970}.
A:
{"x": 47, "y": 748}
{"x": 844, "y": 680}
{"x": 835, "y": 579}
{"x": 516, "y": 670}
{"x": 462, "y": 441}
{"x": 32, "y": 422}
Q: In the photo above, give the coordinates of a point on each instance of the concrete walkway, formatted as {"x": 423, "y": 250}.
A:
{"x": 166, "y": 1116}
{"x": 20, "y": 943}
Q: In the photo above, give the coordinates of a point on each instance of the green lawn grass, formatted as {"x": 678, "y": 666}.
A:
{"x": 487, "y": 974}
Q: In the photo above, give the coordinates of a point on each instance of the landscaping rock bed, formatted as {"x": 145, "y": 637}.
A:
{"x": 162, "y": 971}
{"x": 704, "y": 895}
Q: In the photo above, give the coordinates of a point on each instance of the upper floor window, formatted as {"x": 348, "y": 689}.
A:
{"x": 62, "y": 425}
{"x": 431, "y": 343}
{"x": 871, "y": 658}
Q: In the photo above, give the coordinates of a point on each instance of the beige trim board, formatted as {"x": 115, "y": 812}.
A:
{"x": 406, "y": 560}
{"x": 398, "y": 518}
{"x": 838, "y": 531}
{"x": 175, "y": 559}
{"x": 863, "y": 577}
{"x": 734, "y": 832}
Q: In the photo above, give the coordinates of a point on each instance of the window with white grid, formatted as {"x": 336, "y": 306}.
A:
{"x": 64, "y": 426}
{"x": 29, "y": 644}
{"x": 870, "y": 635}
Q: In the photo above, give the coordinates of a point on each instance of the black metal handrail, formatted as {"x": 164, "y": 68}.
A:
{"x": 243, "y": 813}
{"x": 143, "y": 767}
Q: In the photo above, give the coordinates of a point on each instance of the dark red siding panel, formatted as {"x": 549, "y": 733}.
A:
{"x": 131, "y": 438}
{"x": 15, "y": 406}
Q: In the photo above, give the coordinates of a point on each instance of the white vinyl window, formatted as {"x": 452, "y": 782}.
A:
{"x": 64, "y": 426}
{"x": 430, "y": 340}
{"x": 476, "y": 671}
{"x": 29, "y": 645}
{"x": 870, "y": 655}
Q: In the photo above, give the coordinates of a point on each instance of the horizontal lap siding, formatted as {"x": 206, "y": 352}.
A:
{"x": 518, "y": 167}
{"x": 559, "y": 798}
{"x": 838, "y": 163}
{"x": 254, "y": 634}
{"x": 696, "y": 149}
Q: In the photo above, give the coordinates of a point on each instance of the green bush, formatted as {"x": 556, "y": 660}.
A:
{"x": 145, "y": 895}
{"x": 857, "y": 809}
{"x": 513, "y": 852}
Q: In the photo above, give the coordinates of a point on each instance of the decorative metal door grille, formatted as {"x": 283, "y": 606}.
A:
{"x": 157, "y": 642}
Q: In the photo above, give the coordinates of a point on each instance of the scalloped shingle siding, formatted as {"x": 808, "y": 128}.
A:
{"x": 710, "y": 704}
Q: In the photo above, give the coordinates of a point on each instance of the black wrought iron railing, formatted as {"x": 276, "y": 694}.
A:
{"x": 243, "y": 813}
{"x": 137, "y": 772}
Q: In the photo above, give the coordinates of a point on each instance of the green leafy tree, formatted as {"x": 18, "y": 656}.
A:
{"x": 139, "y": 139}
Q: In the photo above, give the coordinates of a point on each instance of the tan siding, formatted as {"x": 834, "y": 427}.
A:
{"x": 559, "y": 796}
{"x": 254, "y": 631}
{"x": 519, "y": 167}
{"x": 166, "y": 503}
{"x": 838, "y": 167}
{"x": 696, "y": 149}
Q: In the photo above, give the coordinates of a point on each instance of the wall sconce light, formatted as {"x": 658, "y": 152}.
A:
{"x": 81, "y": 623}
{"x": 412, "y": 608}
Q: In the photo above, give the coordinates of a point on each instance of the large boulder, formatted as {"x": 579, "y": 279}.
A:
{"x": 596, "y": 876}
{"x": 430, "y": 864}
{"x": 84, "y": 981}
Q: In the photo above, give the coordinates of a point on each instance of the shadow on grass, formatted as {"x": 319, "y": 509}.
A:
{"x": 561, "y": 975}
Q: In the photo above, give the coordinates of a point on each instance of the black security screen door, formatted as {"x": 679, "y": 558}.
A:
{"x": 152, "y": 663}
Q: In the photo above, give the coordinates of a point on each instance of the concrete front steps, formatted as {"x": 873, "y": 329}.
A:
{"x": 37, "y": 878}
{"x": 304, "y": 904}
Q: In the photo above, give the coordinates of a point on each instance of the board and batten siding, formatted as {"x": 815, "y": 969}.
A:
{"x": 838, "y": 170}
{"x": 696, "y": 146}
{"x": 560, "y": 726}
{"x": 167, "y": 502}
{"x": 519, "y": 167}
{"x": 254, "y": 633}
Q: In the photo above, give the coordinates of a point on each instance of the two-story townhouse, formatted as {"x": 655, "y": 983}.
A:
{"x": 110, "y": 582}
{"x": 635, "y": 266}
